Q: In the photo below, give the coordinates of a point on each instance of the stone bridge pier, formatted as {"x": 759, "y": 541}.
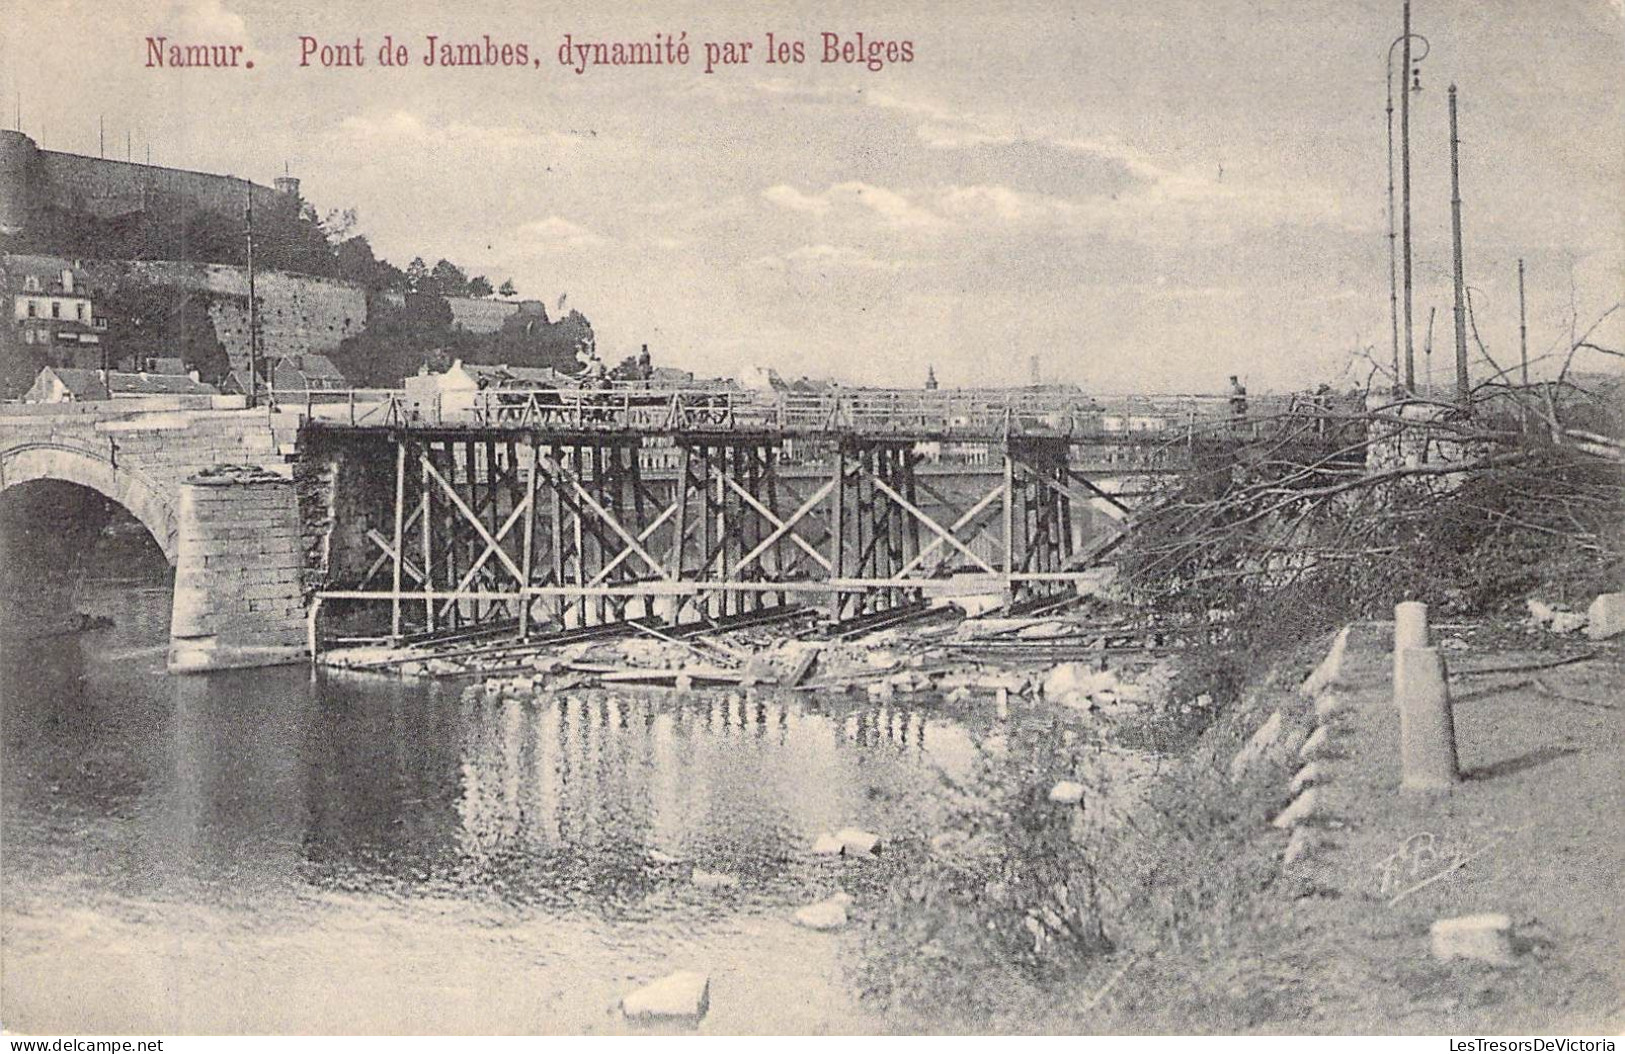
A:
{"x": 214, "y": 487}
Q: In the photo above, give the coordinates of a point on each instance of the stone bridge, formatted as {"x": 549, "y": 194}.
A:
{"x": 234, "y": 538}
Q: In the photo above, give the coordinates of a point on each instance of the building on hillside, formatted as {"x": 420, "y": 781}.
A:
{"x": 235, "y": 382}
{"x": 61, "y": 384}
{"x": 50, "y": 309}
{"x": 307, "y": 373}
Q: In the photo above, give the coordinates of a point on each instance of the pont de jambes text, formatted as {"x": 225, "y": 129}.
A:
{"x": 578, "y": 55}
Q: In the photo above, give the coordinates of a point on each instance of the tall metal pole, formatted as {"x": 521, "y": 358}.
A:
{"x": 1523, "y": 349}
{"x": 253, "y": 307}
{"x": 1393, "y": 262}
{"x": 1464, "y": 392}
{"x": 1523, "y": 328}
{"x": 1405, "y": 193}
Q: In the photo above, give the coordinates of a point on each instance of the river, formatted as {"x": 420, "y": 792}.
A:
{"x": 277, "y": 851}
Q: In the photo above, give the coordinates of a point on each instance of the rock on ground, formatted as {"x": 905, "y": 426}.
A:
{"x": 827, "y": 845}
{"x": 684, "y": 994}
{"x": 1482, "y": 938}
{"x": 1066, "y": 792}
{"x": 714, "y": 880}
{"x": 1606, "y": 616}
{"x": 858, "y": 843}
{"x": 825, "y": 915}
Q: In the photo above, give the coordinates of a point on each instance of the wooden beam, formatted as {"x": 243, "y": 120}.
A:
{"x": 613, "y": 524}
{"x": 400, "y": 529}
{"x": 1009, "y": 510}
{"x": 494, "y": 547}
{"x": 937, "y": 528}
{"x": 604, "y": 572}
{"x": 681, "y": 529}
{"x": 781, "y": 526}
{"x": 529, "y": 555}
{"x": 424, "y": 514}
{"x": 462, "y": 507}
{"x": 839, "y": 530}
{"x": 384, "y": 557}
{"x": 389, "y": 554}
{"x": 958, "y": 525}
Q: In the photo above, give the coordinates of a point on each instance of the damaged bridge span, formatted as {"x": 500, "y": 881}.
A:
{"x": 543, "y": 512}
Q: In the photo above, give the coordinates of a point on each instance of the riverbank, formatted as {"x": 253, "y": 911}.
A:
{"x": 1218, "y": 921}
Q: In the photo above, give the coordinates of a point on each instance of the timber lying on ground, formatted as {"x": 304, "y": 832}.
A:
{"x": 912, "y": 649}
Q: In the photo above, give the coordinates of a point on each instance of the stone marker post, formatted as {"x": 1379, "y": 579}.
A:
{"x": 1427, "y": 731}
{"x": 1410, "y": 631}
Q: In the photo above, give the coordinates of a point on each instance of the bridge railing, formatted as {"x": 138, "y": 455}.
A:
{"x": 590, "y": 410}
{"x": 970, "y": 414}
{"x": 379, "y": 407}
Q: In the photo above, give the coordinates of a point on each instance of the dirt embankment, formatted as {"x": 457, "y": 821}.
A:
{"x": 1225, "y": 936}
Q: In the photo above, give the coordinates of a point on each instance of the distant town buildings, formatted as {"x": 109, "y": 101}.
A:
{"x": 307, "y": 373}
{"x": 62, "y": 384}
{"x": 51, "y": 310}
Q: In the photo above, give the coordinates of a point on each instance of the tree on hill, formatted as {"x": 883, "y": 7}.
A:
{"x": 417, "y": 275}
{"x": 148, "y": 321}
{"x": 449, "y": 279}
{"x": 528, "y": 338}
{"x": 396, "y": 341}
{"x": 508, "y": 289}
{"x": 479, "y": 286}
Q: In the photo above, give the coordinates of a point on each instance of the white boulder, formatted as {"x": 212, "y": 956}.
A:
{"x": 1077, "y": 680}
{"x": 1483, "y": 938}
{"x": 1261, "y": 741}
{"x": 713, "y": 880}
{"x": 1066, "y": 792}
{"x": 1303, "y": 807}
{"x": 825, "y": 915}
{"x": 827, "y": 845}
{"x": 684, "y": 994}
{"x": 855, "y": 842}
{"x": 1606, "y": 616}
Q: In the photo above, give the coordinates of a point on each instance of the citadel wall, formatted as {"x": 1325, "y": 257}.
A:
{"x": 299, "y": 313}
{"x": 32, "y": 179}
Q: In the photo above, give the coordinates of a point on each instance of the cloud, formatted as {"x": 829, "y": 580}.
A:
{"x": 989, "y": 205}
{"x": 824, "y": 259}
{"x": 788, "y": 197}
{"x": 950, "y": 137}
{"x": 893, "y": 208}
{"x": 556, "y": 232}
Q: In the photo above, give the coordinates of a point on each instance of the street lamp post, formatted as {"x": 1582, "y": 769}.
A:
{"x": 1409, "y": 82}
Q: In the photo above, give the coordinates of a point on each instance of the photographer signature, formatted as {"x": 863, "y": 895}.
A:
{"x": 1424, "y": 859}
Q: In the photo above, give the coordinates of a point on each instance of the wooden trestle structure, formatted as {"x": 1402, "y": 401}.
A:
{"x": 547, "y": 530}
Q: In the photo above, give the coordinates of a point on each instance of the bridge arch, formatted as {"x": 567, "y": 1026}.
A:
{"x": 70, "y": 463}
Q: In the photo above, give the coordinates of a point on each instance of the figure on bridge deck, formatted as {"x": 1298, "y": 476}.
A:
{"x": 1238, "y": 399}
{"x": 1323, "y": 408}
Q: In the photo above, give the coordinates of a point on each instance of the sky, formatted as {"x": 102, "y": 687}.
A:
{"x": 1142, "y": 195}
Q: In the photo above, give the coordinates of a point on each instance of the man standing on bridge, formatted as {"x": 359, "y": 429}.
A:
{"x": 1238, "y": 403}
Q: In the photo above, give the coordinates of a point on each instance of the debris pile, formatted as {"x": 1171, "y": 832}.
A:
{"x": 1111, "y": 668}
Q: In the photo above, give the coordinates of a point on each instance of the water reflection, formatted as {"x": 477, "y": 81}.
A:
{"x": 487, "y": 863}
